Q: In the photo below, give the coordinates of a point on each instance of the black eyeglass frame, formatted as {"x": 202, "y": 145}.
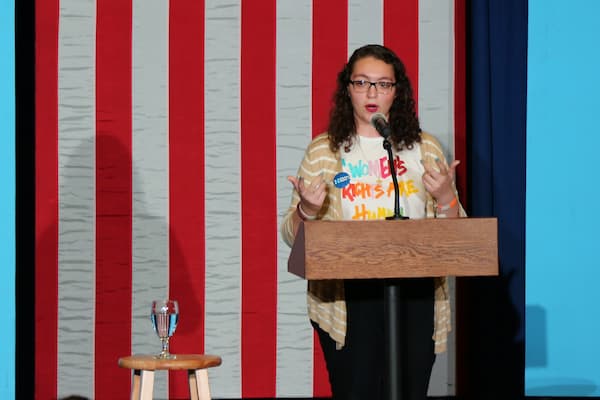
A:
{"x": 377, "y": 85}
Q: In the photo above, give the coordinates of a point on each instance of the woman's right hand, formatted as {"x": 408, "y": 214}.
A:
{"x": 311, "y": 196}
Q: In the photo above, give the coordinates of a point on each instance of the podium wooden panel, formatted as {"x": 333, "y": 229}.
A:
{"x": 395, "y": 249}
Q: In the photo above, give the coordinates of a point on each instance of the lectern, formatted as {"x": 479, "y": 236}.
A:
{"x": 390, "y": 249}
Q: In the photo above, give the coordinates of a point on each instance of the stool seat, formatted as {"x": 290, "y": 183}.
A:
{"x": 144, "y": 365}
{"x": 149, "y": 362}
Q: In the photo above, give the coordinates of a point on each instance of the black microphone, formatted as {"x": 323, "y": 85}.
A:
{"x": 380, "y": 122}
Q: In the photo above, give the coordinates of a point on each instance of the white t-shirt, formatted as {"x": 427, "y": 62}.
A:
{"x": 368, "y": 189}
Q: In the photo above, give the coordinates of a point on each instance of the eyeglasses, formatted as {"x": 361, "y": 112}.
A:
{"x": 383, "y": 87}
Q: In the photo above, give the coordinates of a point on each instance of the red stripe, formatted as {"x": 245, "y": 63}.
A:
{"x": 113, "y": 197}
{"x": 460, "y": 107}
{"x": 259, "y": 199}
{"x": 46, "y": 198}
{"x": 330, "y": 53}
{"x": 321, "y": 386}
{"x": 401, "y": 34}
{"x": 186, "y": 178}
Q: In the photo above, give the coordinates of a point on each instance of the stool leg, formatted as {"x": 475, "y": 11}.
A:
{"x": 147, "y": 385}
{"x": 193, "y": 384}
{"x": 198, "y": 380}
{"x": 135, "y": 385}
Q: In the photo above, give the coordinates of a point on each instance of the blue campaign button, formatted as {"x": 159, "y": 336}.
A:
{"x": 341, "y": 180}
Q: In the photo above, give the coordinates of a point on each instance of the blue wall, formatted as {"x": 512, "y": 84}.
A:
{"x": 7, "y": 197}
{"x": 563, "y": 199}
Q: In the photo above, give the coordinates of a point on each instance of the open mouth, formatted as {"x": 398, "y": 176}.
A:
{"x": 372, "y": 108}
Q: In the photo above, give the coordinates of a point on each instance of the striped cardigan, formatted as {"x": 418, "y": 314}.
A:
{"x": 326, "y": 304}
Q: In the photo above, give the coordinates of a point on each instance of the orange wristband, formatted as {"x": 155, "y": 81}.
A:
{"x": 448, "y": 206}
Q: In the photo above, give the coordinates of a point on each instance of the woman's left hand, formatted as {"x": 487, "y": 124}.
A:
{"x": 439, "y": 184}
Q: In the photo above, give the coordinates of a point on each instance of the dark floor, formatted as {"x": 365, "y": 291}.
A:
{"x": 454, "y": 398}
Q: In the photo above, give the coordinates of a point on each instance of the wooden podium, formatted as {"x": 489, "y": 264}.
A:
{"x": 390, "y": 249}
{"x": 395, "y": 249}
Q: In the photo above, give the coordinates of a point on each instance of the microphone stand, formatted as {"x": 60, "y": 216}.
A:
{"x": 397, "y": 215}
{"x": 393, "y": 334}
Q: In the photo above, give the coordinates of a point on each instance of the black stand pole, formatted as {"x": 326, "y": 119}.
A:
{"x": 393, "y": 339}
{"x": 393, "y": 334}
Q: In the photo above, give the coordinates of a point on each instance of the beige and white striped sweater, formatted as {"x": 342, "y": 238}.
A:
{"x": 326, "y": 304}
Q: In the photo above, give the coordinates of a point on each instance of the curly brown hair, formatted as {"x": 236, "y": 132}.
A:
{"x": 403, "y": 119}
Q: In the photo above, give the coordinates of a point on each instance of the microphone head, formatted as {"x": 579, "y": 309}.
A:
{"x": 378, "y": 118}
{"x": 380, "y": 122}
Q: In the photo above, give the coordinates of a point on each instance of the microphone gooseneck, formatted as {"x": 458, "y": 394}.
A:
{"x": 380, "y": 122}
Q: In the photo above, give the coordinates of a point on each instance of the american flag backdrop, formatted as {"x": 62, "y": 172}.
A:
{"x": 164, "y": 134}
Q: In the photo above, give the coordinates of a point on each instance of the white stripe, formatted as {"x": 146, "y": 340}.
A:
{"x": 76, "y": 192}
{"x": 436, "y": 70}
{"x": 294, "y": 333}
{"x": 436, "y": 113}
{"x": 365, "y": 23}
{"x": 150, "y": 233}
{"x": 223, "y": 197}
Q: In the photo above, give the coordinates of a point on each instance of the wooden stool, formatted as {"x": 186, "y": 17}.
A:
{"x": 143, "y": 367}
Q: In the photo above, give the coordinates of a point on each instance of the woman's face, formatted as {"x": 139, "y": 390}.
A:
{"x": 368, "y": 99}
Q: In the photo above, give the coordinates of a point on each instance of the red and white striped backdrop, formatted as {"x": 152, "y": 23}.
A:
{"x": 165, "y": 132}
